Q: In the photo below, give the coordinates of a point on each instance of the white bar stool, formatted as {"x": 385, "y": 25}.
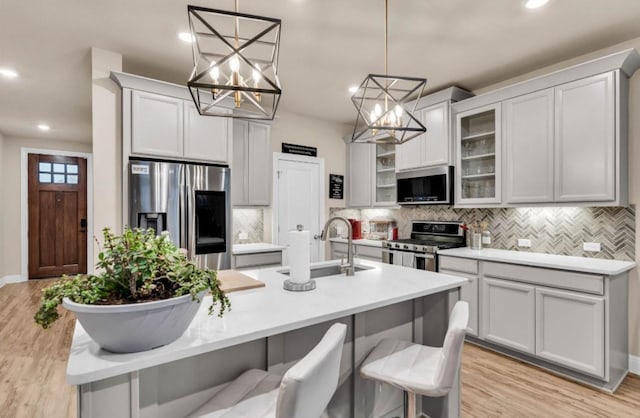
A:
{"x": 303, "y": 392}
{"x": 419, "y": 369}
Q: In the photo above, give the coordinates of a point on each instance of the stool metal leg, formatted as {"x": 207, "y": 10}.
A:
{"x": 411, "y": 405}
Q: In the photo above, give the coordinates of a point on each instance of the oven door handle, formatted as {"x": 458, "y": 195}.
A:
{"x": 430, "y": 256}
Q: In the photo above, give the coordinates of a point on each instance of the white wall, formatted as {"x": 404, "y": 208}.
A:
{"x": 11, "y": 211}
{"x": 634, "y": 167}
{"x": 106, "y": 118}
{"x": 325, "y": 135}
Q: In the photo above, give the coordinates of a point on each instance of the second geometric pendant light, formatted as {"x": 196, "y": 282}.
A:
{"x": 386, "y": 104}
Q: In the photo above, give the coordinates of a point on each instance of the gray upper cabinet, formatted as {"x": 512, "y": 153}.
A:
{"x": 586, "y": 140}
{"x": 431, "y": 148}
{"x": 560, "y": 143}
{"x": 205, "y": 137}
{"x": 409, "y": 156}
{"x": 165, "y": 126}
{"x": 360, "y": 174}
{"x": 564, "y": 137}
{"x": 156, "y": 125}
{"x": 383, "y": 178}
{"x": 478, "y": 140}
{"x": 528, "y": 148}
{"x": 251, "y": 168}
{"x": 437, "y": 143}
{"x": 239, "y": 166}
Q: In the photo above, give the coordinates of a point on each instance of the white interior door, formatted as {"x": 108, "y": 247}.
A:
{"x": 300, "y": 201}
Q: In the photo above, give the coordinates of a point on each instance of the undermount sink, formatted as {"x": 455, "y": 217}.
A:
{"x": 324, "y": 271}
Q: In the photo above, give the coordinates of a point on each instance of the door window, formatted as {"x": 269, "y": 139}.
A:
{"x": 57, "y": 173}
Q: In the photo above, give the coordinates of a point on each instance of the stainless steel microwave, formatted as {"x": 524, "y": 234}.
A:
{"x": 432, "y": 186}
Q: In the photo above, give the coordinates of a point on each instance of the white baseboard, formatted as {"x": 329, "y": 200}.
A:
{"x": 12, "y": 278}
{"x": 634, "y": 364}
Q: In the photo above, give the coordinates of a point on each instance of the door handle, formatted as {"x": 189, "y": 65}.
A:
{"x": 316, "y": 236}
{"x": 83, "y": 225}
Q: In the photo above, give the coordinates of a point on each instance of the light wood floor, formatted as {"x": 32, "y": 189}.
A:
{"x": 33, "y": 361}
{"x": 497, "y": 386}
{"x": 33, "y": 364}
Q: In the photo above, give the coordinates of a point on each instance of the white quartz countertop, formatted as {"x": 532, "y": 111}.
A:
{"x": 561, "y": 262}
{"x": 263, "y": 312}
{"x": 367, "y": 242}
{"x": 260, "y": 247}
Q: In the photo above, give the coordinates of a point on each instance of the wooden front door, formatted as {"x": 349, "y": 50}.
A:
{"x": 57, "y": 215}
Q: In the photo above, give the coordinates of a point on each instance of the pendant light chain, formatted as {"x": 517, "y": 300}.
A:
{"x": 386, "y": 37}
{"x": 237, "y": 26}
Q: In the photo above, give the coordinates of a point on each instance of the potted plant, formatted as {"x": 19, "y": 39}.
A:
{"x": 145, "y": 296}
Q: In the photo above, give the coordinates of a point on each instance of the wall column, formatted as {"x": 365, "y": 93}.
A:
{"x": 106, "y": 120}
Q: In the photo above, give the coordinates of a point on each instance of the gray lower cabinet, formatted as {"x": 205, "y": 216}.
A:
{"x": 570, "y": 330}
{"x": 366, "y": 252}
{"x": 255, "y": 260}
{"x": 508, "y": 314}
{"x": 469, "y": 293}
{"x": 573, "y": 323}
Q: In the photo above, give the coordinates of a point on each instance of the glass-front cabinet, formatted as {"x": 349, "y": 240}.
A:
{"x": 478, "y": 148}
{"x": 384, "y": 193}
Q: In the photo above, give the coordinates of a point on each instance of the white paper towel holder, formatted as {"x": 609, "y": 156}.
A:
{"x": 299, "y": 287}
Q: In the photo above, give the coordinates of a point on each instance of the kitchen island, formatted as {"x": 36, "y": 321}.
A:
{"x": 272, "y": 328}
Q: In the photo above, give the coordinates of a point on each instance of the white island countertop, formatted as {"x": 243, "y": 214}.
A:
{"x": 263, "y": 312}
{"x": 561, "y": 262}
{"x": 254, "y": 248}
{"x": 367, "y": 242}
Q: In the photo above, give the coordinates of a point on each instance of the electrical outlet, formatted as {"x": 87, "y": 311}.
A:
{"x": 591, "y": 246}
{"x": 524, "y": 243}
{"x": 243, "y": 235}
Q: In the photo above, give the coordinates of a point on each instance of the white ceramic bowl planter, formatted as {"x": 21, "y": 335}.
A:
{"x": 130, "y": 328}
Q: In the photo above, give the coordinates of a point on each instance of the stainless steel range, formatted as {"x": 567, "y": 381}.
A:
{"x": 420, "y": 251}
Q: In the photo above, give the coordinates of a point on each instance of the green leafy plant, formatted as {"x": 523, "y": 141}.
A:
{"x": 137, "y": 266}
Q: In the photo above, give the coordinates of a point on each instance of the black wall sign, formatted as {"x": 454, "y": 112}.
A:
{"x": 336, "y": 186}
{"x": 299, "y": 149}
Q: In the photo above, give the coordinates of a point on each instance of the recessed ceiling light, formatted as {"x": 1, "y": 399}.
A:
{"x": 44, "y": 127}
{"x": 8, "y": 73}
{"x": 534, "y": 4}
{"x": 186, "y": 37}
{"x": 353, "y": 89}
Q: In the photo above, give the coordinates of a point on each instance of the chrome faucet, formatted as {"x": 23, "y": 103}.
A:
{"x": 348, "y": 268}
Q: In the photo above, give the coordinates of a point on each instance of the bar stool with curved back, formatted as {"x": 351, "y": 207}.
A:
{"x": 303, "y": 392}
{"x": 419, "y": 369}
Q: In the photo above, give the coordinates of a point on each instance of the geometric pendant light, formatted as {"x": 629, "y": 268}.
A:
{"x": 386, "y": 104}
{"x": 235, "y": 63}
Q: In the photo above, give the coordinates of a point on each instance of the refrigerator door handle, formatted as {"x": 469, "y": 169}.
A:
{"x": 184, "y": 225}
{"x": 190, "y": 210}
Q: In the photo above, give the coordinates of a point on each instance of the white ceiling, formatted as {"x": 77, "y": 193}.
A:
{"x": 327, "y": 45}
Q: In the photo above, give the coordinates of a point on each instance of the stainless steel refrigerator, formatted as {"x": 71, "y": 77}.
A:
{"x": 191, "y": 201}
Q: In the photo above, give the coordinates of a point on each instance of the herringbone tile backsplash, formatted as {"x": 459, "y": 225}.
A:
{"x": 551, "y": 230}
